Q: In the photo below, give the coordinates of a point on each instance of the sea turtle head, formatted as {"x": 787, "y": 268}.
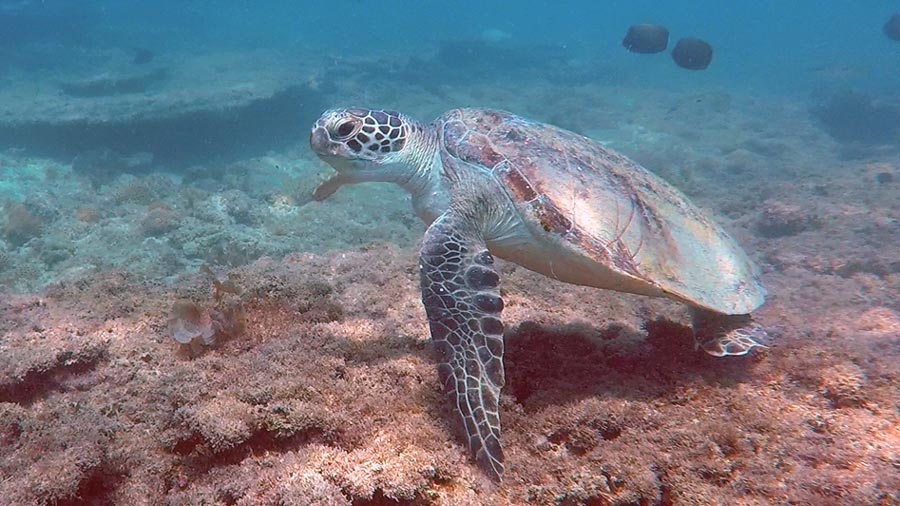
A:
{"x": 355, "y": 141}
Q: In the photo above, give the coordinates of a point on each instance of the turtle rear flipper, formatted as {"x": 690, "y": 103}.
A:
{"x": 462, "y": 300}
{"x": 722, "y": 335}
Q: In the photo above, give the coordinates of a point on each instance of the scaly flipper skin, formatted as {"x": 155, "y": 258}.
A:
{"x": 461, "y": 297}
{"x": 328, "y": 187}
{"x": 552, "y": 201}
{"x": 727, "y": 335}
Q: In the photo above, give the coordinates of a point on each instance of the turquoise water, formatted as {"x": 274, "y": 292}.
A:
{"x": 157, "y": 183}
{"x": 769, "y": 44}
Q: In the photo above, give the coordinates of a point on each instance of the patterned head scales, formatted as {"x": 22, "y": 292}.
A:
{"x": 357, "y": 133}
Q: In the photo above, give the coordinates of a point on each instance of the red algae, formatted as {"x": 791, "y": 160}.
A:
{"x": 321, "y": 388}
{"x": 347, "y": 410}
{"x": 21, "y": 224}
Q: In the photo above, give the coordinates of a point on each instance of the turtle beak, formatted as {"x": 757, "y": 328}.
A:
{"x": 343, "y": 165}
{"x": 320, "y": 143}
{"x": 331, "y": 152}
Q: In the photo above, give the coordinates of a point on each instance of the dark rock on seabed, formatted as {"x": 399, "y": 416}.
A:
{"x": 324, "y": 389}
{"x": 182, "y": 112}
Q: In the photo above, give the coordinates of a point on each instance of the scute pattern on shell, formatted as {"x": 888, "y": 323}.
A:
{"x": 607, "y": 207}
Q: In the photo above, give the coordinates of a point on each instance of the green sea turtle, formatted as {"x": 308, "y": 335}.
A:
{"x": 490, "y": 183}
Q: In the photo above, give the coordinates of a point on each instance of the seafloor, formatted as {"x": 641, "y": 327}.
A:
{"x": 320, "y": 387}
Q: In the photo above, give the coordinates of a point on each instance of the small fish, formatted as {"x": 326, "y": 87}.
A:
{"x": 142, "y": 56}
{"x": 646, "y": 39}
{"x": 892, "y": 27}
{"x": 692, "y": 54}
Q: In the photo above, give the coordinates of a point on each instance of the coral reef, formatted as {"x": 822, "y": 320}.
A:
{"x": 21, "y": 224}
{"x": 101, "y": 86}
{"x": 317, "y": 384}
{"x": 327, "y": 396}
{"x": 168, "y": 110}
{"x": 857, "y": 117}
{"x": 159, "y": 220}
{"x": 778, "y": 220}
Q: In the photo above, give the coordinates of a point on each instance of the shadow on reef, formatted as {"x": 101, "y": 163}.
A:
{"x": 107, "y": 86}
{"x": 558, "y": 365}
{"x": 859, "y": 121}
{"x": 183, "y": 139}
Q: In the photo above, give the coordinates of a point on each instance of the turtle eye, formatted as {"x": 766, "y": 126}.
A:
{"x": 345, "y": 129}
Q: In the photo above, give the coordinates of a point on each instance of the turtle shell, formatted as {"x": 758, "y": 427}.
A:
{"x": 607, "y": 208}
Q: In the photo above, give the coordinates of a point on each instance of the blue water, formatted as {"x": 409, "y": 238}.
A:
{"x": 157, "y": 187}
{"x": 769, "y": 45}
{"x": 70, "y": 92}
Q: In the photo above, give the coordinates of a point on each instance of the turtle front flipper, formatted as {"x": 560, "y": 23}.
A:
{"x": 722, "y": 335}
{"x": 462, "y": 299}
{"x": 329, "y": 186}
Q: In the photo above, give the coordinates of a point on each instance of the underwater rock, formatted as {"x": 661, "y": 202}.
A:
{"x": 21, "y": 224}
{"x": 879, "y": 321}
{"x": 104, "y": 86}
{"x": 159, "y": 220}
{"x": 646, "y": 39}
{"x": 844, "y": 384}
{"x": 104, "y": 164}
{"x": 309, "y": 488}
{"x": 188, "y": 112}
{"x": 892, "y": 27}
{"x": 783, "y": 220}
{"x": 692, "y": 54}
{"x": 221, "y": 422}
{"x": 854, "y": 117}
